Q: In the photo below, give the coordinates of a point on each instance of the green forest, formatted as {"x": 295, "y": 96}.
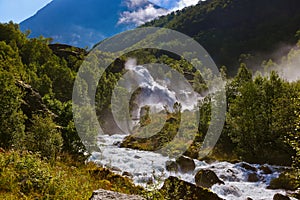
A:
{"x": 42, "y": 156}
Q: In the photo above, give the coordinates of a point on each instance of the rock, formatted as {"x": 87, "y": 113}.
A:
{"x": 284, "y": 181}
{"x": 231, "y": 190}
{"x": 229, "y": 176}
{"x": 117, "y": 144}
{"x": 109, "y": 195}
{"x": 280, "y": 197}
{"x": 127, "y": 174}
{"x": 32, "y": 101}
{"x": 171, "y": 166}
{"x": 116, "y": 169}
{"x": 248, "y": 167}
{"x": 137, "y": 157}
{"x": 253, "y": 177}
{"x": 175, "y": 188}
{"x": 266, "y": 169}
{"x": 207, "y": 178}
{"x": 185, "y": 164}
{"x": 248, "y": 198}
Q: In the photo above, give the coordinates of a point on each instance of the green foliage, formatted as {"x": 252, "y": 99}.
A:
{"x": 44, "y": 137}
{"x": 11, "y": 117}
{"x": 253, "y": 117}
{"x": 32, "y": 61}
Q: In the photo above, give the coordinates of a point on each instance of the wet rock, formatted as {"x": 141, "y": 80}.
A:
{"x": 248, "y": 167}
{"x": 229, "y": 176}
{"x": 171, "y": 166}
{"x": 231, "y": 190}
{"x": 248, "y": 198}
{"x": 253, "y": 177}
{"x": 175, "y": 188}
{"x": 284, "y": 181}
{"x": 137, "y": 157}
{"x": 207, "y": 178}
{"x": 110, "y": 195}
{"x": 116, "y": 169}
{"x": 117, "y": 144}
{"x": 127, "y": 174}
{"x": 266, "y": 169}
{"x": 185, "y": 164}
{"x": 280, "y": 197}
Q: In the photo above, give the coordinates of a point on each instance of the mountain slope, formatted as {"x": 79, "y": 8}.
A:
{"x": 85, "y": 22}
{"x": 229, "y": 28}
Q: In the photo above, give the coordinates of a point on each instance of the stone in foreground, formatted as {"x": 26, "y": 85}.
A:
{"x": 109, "y": 195}
{"x": 176, "y": 189}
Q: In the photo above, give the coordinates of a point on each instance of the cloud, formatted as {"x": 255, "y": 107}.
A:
{"x": 135, "y": 3}
{"x": 141, "y": 15}
{"x": 140, "y": 11}
{"x": 184, "y": 3}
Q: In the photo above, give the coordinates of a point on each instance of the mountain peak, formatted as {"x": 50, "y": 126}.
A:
{"x": 85, "y": 22}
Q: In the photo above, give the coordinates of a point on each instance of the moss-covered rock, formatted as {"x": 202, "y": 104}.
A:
{"x": 287, "y": 181}
{"x": 280, "y": 197}
{"x": 175, "y": 188}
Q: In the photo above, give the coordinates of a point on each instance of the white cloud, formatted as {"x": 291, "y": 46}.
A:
{"x": 145, "y": 12}
{"x": 135, "y": 3}
{"x": 141, "y": 15}
{"x": 184, "y": 3}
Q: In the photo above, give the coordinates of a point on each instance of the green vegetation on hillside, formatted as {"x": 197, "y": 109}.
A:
{"x": 229, "y": 28}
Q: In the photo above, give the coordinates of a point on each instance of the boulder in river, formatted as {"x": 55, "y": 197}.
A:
{"x": 265, "y": 169}
{"x": 253, "y": 177}
{"x": 207, "y": 178}
{"x": 248, "y": 167}
{"x": 186, "y": 164}
{"x": 175, "y": 188}
{"x": 280, "y": 197}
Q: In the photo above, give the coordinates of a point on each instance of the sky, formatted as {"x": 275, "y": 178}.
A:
{"x": 19, "y": 10}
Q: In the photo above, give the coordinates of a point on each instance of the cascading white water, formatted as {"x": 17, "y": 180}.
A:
{"x": 158, "y": 91}
{"x": 147, "y": 166}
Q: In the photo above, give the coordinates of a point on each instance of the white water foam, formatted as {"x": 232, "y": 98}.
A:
{"x": 147, "y": 166}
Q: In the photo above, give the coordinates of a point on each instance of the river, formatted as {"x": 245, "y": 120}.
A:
{"x": 145, "y": 166}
